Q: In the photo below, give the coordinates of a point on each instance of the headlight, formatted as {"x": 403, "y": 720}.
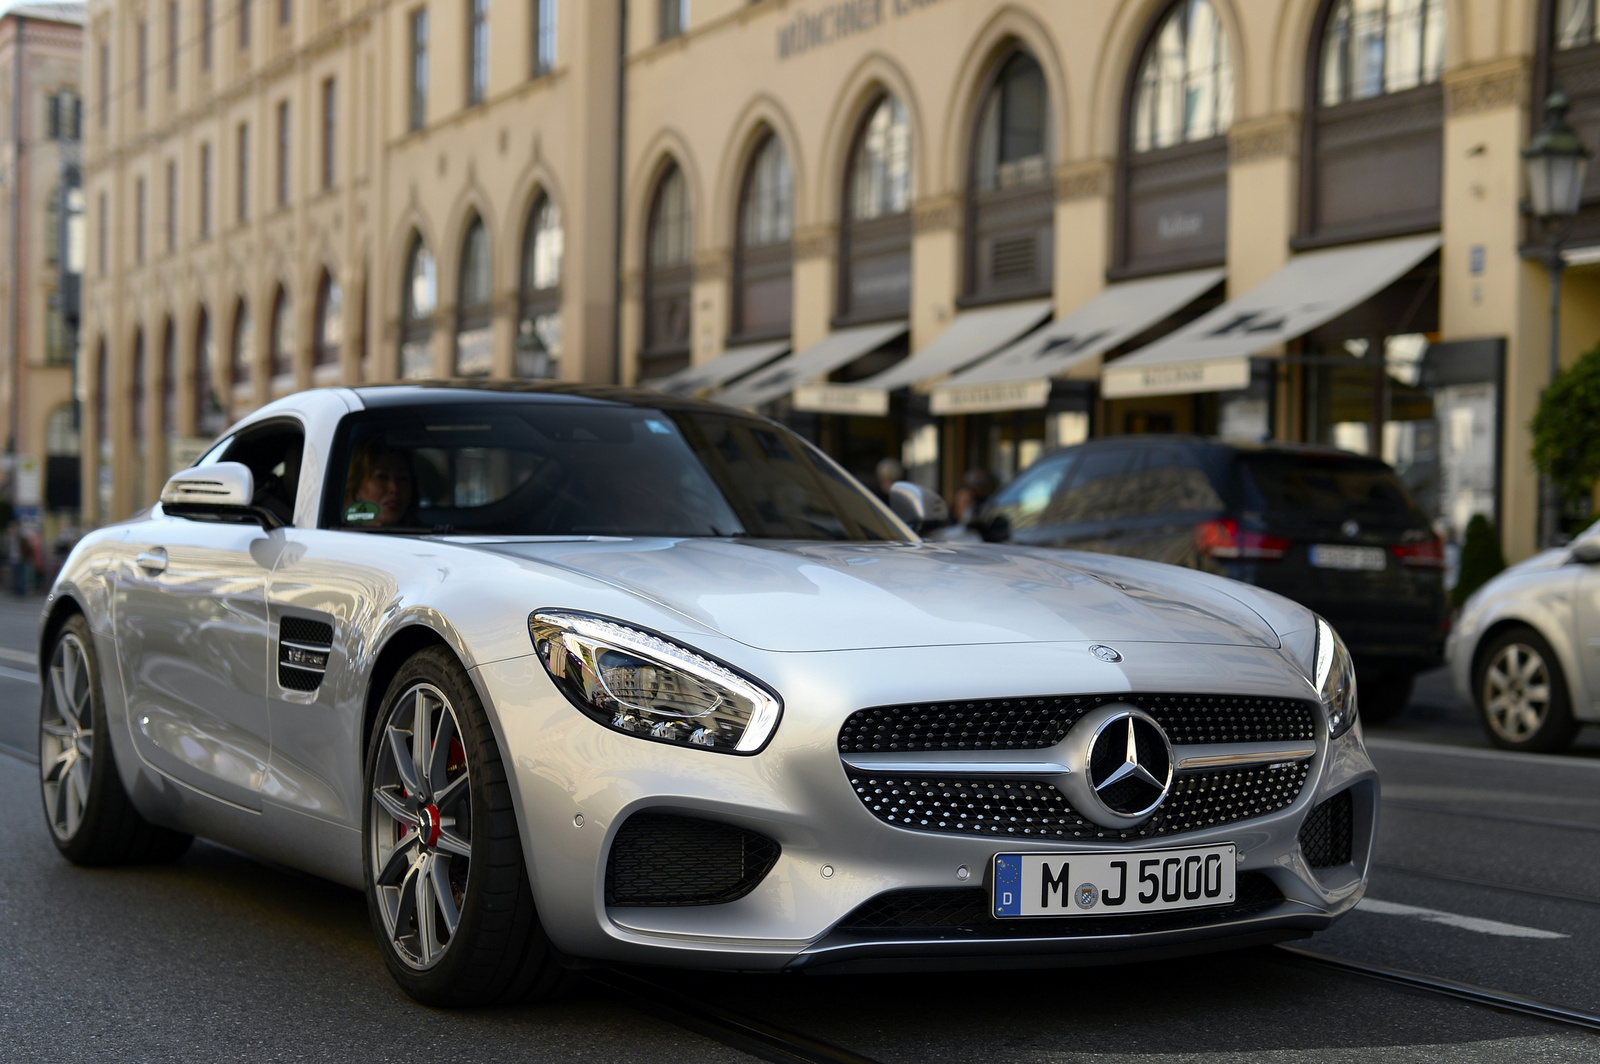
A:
{"x": 1335, "y": 680}
{"x": 639, "y": 683}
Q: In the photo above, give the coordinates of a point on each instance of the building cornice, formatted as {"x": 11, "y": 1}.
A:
{"x": 1084, "y": 179}
{"x": 1487, "y": 87}
{"x": 1269, "y": 137}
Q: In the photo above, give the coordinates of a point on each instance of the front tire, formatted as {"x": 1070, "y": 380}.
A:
{"x": 91, "y": 820}
{"x": 447, "y": 889}
{"x": 1522, "y": 693}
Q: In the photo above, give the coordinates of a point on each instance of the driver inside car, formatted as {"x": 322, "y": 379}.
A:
{"x": 381, "y": 488}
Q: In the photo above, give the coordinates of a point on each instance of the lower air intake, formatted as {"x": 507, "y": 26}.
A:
{"x": 659, "y": 859}
{"x": 1325, "y": 837}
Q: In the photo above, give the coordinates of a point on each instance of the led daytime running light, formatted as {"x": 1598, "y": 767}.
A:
{"x": 1335, "y": 678}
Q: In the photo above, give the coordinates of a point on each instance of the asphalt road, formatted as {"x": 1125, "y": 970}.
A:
{"x": 1488, "y": 873}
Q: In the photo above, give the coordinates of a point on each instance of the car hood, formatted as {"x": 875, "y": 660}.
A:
{"x": 789, "y": 596}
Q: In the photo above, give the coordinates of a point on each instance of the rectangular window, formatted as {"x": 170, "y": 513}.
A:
{"x": 419, "y": 68}
{"x": 104, "y": 87}
{"x": 244, "y": 172}
{"x": 208, "y": 21}
{"x": 172, "y": 206}
{"x": 103, "y": 235}
{"x": 172, "y": 45}
{"x": 138, "y": 220}
{"x": 285, "y": 11}
{"x": 674, "y": 17}
{"x": 544, "y": 36}
{"x": 330, "y": 131}
{"x": 205, "y": 191}
{"x": 142, "y": 62}
{"x": 477, "y": 50}
{"x": 283, "y": 153}
{"x": 245, "y": 10}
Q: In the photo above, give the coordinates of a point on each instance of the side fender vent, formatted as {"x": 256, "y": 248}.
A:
{"x": 303, "y": 649}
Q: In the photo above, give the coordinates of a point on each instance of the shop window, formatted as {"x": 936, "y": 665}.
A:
{"x": 1174, "y": 164}
{"x": 763, "y": 266}
{"x": 417, "y": 302}
{"x": 1374, "y": 138}
{"x": 328, "y": 332}
{"x": 875, "y": 238}
{"x": 474, "y": 304}
{"x": 668, "y": 278}
{"x": 240, "y": 353}
{"x": 539, "y": 299}
{"x": 209, "y": 414}
{"x": 282, "y": 334}
{"x": 1011, "y": 203}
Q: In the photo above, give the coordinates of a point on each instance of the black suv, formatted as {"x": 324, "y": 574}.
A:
{"x": 1332, "y": 530}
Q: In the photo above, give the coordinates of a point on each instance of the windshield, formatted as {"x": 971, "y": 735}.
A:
{"x": 557, "y": 468}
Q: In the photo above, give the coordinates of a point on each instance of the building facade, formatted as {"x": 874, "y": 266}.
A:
{"x": 41, "y": 112}
{"x": 956, "y": 232}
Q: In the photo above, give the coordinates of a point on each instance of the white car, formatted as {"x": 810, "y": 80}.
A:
{"x": 1526, "y": 649}
{"x": 566, "y": 672}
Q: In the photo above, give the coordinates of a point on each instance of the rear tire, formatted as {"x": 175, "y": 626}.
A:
{"x": 447, "y": 888}
{"x": 1521, "y": 693}
{"x": 90, "y": 817}
{"x": 1386, "y": 697}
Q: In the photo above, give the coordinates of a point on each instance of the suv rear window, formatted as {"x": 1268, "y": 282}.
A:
{"x": 1327, "y": 486}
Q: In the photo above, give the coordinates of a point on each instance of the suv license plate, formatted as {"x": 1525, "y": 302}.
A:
{"x": 1340, "y": 556}
{"x": 1108, "y": 884}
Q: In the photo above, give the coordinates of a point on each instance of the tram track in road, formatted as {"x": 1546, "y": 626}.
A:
{"x": 1489, "y": 884}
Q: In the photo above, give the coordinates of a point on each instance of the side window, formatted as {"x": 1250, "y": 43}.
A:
{"x": 1170, "y": 480}
{"x": 1100, "y": 490}
{"x": 273, "y": 454}
{"x": 1024, "y": 501}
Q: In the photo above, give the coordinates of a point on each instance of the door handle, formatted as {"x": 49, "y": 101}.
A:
{"x": 153, "y": 560}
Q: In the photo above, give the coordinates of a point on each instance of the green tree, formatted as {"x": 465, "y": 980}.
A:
{"x": 1480, "y": 559}
{"x": 1566, "y": 431}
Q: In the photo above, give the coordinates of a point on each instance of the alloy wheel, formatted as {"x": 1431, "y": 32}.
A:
{"x": 421, "y": 825}
{"x": 66, "y": 740}
{"x": 1516, "y": 692}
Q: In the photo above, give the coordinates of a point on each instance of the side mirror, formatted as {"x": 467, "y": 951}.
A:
{"x": 917, "y": 506}
{"x": 1586, "y": 551}
{"x": 222, "y": 492}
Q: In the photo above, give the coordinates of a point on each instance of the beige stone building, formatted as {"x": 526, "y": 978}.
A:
{"x": 42, "y": 259}
{"x": 954, "y": 231}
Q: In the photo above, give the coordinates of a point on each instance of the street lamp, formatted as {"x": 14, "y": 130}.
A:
{"x": 1557, "y": 163}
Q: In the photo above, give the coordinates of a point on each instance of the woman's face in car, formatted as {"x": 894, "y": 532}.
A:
{"x": 388, "y": 484}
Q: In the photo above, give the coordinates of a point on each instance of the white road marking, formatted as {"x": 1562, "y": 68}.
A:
{"x": 21, "y": 657}
{"x": 1465, "y": 923}
{"x": 1378, "y": 742}
{"x": 18, "y": 674}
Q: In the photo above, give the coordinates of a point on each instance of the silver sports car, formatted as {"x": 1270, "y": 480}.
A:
{"x": 570, "y": 675}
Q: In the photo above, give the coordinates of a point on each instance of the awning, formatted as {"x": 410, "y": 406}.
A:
{"x": 971, "y": 336}
{"x": 1212, "y": 353}
{"x": 732, "y": 364}
{"x": 841, "y": 347}
{"x": 1018, "y": 378}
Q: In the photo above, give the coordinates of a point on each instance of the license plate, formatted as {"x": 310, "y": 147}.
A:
{"x": 1341, "y": 556}
{"x": 1107, "y": 884}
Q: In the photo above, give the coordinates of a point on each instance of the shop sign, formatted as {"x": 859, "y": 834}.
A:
{"x": 1177, "y": 378}
{"x": 991, "y": 397}
{"x": 841, "y": 399}
{"x": 836, "y": 21}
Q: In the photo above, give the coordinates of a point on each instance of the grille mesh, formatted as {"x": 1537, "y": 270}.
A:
{"x": 1325, "y": 837}
{"x": 658, "y": 859}
{"x": 1035, "y": 723}
{"x": 1037, "y": 809}
{"x": 967, "y": 910}
{"x": 311, "y": 633}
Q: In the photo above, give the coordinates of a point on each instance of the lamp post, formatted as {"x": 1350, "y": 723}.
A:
{"x": 1557, "y": 163}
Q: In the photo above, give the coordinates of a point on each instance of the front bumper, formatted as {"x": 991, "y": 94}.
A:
{"x": 575, "y": 782}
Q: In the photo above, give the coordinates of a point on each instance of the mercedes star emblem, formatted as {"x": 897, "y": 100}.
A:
{"x": 1121, "y": 766}
{"x": 1351, "y": 529}
{"x": 1105, "y": 653}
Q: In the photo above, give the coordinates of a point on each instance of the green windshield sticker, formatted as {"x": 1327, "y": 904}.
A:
{"x": 359, "y": 512}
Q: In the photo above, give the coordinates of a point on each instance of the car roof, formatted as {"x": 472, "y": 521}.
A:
{"x": 1150, "y": 439}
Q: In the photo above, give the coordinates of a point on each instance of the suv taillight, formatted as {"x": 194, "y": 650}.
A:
{"x": 1222, "y": 538}
{"x": 1425, "y": 554}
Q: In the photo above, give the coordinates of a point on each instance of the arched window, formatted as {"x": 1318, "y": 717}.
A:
{"x": 1374, "y": 140}
{"x": 1173, "y": 169}
{"x": 418, "y": 298}
{"x": 539, "y": 298}
{"x": 282, "y": 334}
{"x": 1011, "y": 202}
{"x": 241, "y": 353}
{"x": 209, "y": 414}
{"x": 763, "y": 263}
{"x": 668, "y": 277}
{"x": 328, "y": 335}
{"x": 875, "y": 239}
{"x": 475, "y": 304}
{"x": 168, "y": 382}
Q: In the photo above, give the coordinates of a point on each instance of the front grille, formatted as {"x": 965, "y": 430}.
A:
{"x": 303, "y": 649}
{"x": 903, "y": 913}
{"x": 658, "y": 859}
{"x": 1325, "y": 837}
{"x": 1038, "y": 722}
{"x": 1037, "y": 809}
